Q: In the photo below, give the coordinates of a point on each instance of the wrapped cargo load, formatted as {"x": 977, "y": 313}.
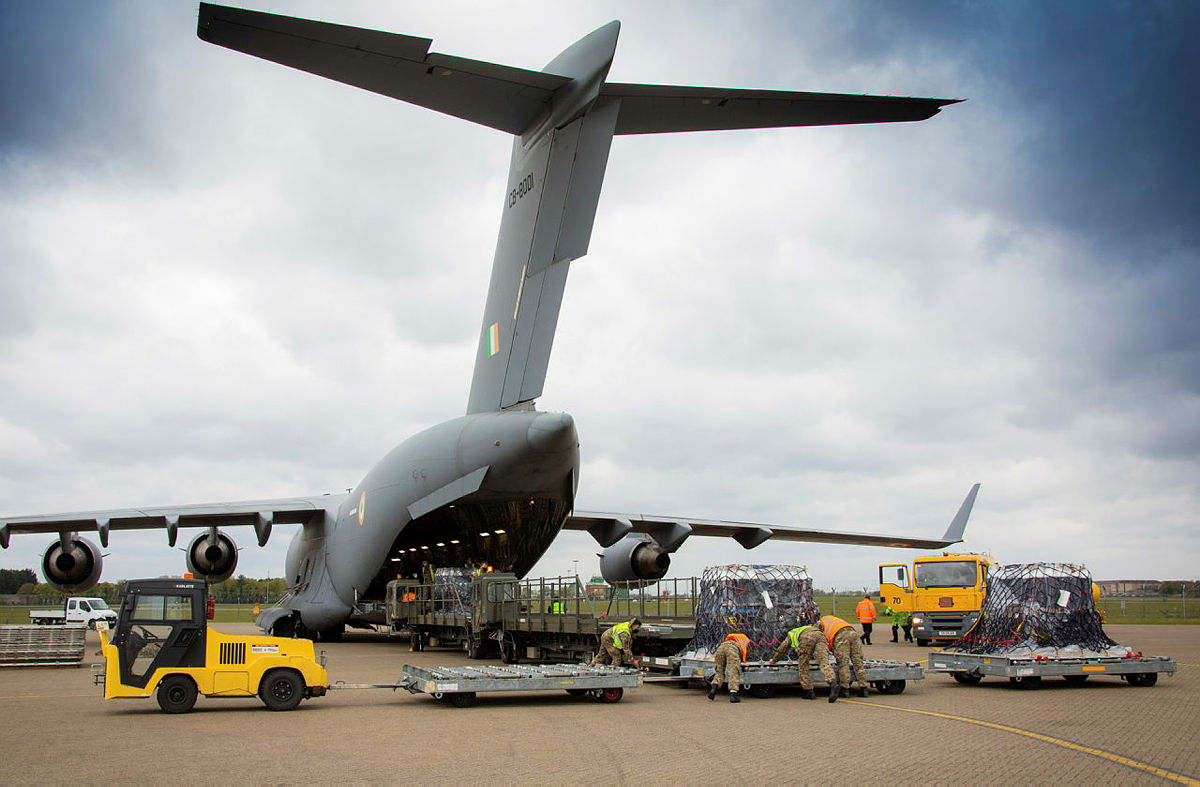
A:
{"x": 763, "y": 602}
{"x": 1038, "y": 608}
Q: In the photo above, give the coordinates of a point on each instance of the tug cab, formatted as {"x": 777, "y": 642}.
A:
{"x": 162, "y": 645}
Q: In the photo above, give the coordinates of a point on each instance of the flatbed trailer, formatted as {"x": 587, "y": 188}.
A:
{"x": 1027, "y": 671}
{"x": 460, "y": 685}
{"x": 761, "y": 679}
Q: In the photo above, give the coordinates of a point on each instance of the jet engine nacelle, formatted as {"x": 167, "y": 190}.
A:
{"x": 75, "y": 567}
{"x": 634, "y": 561}
{"x": 212, "y": 556}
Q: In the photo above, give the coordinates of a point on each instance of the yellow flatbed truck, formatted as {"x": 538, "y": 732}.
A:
{"x": 162, "y": 645}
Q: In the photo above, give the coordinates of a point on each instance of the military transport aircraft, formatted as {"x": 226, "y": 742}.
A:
{"x": 498, "y": 483}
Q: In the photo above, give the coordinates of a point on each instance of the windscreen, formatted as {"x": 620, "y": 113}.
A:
{"x": 948, "y": 574}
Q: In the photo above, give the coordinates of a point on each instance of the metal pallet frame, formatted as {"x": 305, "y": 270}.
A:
{"x": 997, "y": 664}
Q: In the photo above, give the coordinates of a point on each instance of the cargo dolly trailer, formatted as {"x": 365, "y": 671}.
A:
{"x": 1026, "y": 671}
{"x": 460, "y": 685}
{"x": 762, "y": 679}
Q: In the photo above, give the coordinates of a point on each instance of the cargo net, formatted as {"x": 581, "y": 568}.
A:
{"x": 452, "y": 591}
{"x": 1038, "y": 608}
{"x": 762, "y": 602}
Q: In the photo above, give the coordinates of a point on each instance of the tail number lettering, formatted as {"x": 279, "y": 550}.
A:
{"x": 520, "y": 190}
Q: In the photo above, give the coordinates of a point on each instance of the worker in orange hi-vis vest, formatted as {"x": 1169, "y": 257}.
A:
{"x": 727, "y": 664}
{"x": 847, "y": 651}
{"x": 865, "y": 612}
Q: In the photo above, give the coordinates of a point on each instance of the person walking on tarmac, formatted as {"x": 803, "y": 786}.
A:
{"x": 847, "y": 650}
{"x": 865, "y": 612}
{"x": 727, "y": 663}
{"x": 616, "y": 645}
{"x": 808, "y": 642}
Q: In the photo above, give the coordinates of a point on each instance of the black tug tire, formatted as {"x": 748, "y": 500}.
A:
{"x": 281, "y": 689}
{"x": 966, "y": 678}
{"x": 177, "y": 694}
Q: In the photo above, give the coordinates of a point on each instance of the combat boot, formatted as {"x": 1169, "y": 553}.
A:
{"x": 862, "y": 691}
{"x": 733, "y": 697}
{"x": 712, "y": 691}
{"x": 833, "y": 692}
{"x": 807, "y": 694}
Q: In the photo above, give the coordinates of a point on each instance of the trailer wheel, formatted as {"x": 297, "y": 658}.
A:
{"x": 1074, "y": 680}
{"x": 762, "y": 692}
{"x": 612, "y": 694}
{"x": 281, "y": 689}
{"x": 176, "y": 694}
{"x": 577, "y": 692}
{"x": 1142, "y": 679}
{"x": 890, "y": 686}
{"x": 966, "y": 678}
{"x": 1026, "y": 682}
{"x": 461, "y": 699}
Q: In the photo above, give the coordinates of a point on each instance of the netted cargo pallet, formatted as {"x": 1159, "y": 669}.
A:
{"x": 41, "y": 646}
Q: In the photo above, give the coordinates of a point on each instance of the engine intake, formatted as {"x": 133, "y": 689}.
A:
{"x": 212, "y": 556}
{"x": 74, "y": 567}
{"x": 634, "y": 561}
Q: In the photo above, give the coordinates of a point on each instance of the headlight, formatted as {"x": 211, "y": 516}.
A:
{"x": 918, "y": 621}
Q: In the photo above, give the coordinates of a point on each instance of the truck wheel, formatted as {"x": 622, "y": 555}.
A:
{"x": 461, "y": 699}
{"x": 890, "y": 686}
{"x": 92, "y": 625}
{"x": 966, "y": 678}
{"x": 281, "y": 689}
{"x": 922, "y": 643}
{"x": 176, "y": 694}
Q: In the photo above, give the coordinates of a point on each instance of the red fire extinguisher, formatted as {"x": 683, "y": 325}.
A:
{"x": 211, "y": 608}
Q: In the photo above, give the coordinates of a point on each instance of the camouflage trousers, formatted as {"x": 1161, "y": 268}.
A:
{"x": 847, "y": 649}
{"x": 811, "y": 645}
{"x": 611, "y": 655}
{"x": 727, "y": 662}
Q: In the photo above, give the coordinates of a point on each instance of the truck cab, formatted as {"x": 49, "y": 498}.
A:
{"x": 943, "y": 593}
{"x": 79, "y": 610}
{"x": 162, "y": 645}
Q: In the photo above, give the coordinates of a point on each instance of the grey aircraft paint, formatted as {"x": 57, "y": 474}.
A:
{"x": 499, "y": 483}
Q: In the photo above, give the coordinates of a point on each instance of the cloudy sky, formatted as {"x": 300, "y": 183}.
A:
{"x": 222, "y": 279}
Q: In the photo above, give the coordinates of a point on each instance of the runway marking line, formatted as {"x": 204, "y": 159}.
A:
{"x": 1141, "y": 766}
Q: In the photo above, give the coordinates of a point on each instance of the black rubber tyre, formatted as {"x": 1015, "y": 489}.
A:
{"x": 476, "y": 648}
{"x": 177, "y": 694}
{"x": 330, "y": 634}
{"x": 1075, "y": 680}
{"x": 762, "y": 692}
{"x": 462, "y": 699}
{"x": 509, "y": 653}
{"x": 1143, "y": 679}
{"x": 922, "y": 643}
{"x": 577, "y": 692}
{"x": 281, "y": 689}
{"x": 1029, "y": 682}
{"x": 966, "y": 678}
{"x": 891, "y": 686}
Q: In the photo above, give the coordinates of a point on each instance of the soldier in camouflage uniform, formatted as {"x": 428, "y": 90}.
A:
{"x": 727, "y": 663}
{"x": 809, "y": 643}
{"x": 616, "y": 645}
{"x": 847, "y": 650}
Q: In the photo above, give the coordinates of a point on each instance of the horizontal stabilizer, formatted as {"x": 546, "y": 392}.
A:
{"x": 658, "y": 109}
{"x": 390, "y": 64}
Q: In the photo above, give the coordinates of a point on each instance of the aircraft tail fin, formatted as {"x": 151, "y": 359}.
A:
{"x": 958, "y": 525}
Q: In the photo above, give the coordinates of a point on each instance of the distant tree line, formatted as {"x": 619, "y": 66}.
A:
{"x": 1179, "y": 588}
{"x": 239, "y": 590}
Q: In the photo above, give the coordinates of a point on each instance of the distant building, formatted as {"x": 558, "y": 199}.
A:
{"x": 1129, "y": 587}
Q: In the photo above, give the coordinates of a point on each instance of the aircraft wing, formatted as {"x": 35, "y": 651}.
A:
{"x": 658, "y": 109}
{"x": 259, "y": 514}
{"x": 670, "y": 532}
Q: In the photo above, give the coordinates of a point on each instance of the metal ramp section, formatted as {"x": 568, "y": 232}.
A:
{"x": 41, "y": 646}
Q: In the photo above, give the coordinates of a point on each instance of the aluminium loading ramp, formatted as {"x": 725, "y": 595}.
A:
{"x": 1027, "y": 670}
{"x": 459, "y": 685}
{"x": 41, "y": 646}
{"x": 761, "y": 678}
